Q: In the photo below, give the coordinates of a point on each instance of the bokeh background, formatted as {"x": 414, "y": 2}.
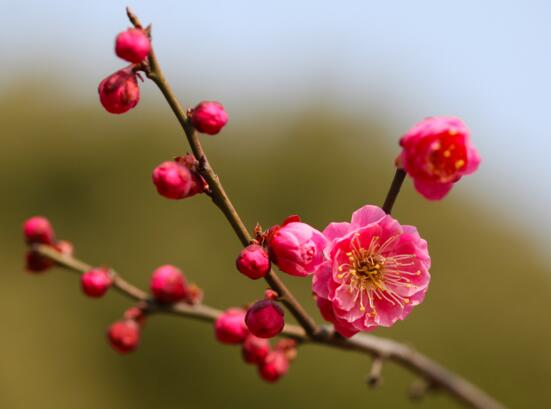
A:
{"x": 318, "y": 93}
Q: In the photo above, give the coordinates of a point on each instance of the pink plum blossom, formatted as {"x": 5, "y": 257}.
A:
{"x": 296, "y": 247}
{"x": 436, "y": 153}
{"x": 376, "y": 271}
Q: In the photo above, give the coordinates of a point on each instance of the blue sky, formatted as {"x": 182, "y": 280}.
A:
{"x": 487, "y": 62}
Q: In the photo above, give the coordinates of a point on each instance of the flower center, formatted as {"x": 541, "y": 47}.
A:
{"x": 372, "y": 274}
{"x": 447, "y": 157}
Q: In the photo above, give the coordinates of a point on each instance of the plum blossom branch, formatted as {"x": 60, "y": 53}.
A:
{"x": 217, "y": 192}
{"x": 380, "y": 349}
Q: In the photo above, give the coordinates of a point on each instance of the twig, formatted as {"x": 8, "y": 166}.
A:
{"x": 374, "y": 378}
{"x": 395, "y": 186}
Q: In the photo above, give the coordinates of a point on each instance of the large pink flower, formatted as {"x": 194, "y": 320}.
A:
{"x": 376, "y": 271}
{"x": 436, "y": 153}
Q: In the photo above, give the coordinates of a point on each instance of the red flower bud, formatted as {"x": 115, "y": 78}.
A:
{"x": 194, "y": 294}
{"x": 209, "y": 117}
{"x": 96, "y": 282}
{"x": 119, "y": 92}
{"x": 274, "y": 366}
{"x": 230, "y": 327}
{"x": 132, "y": 45}
{"x": 173, "y": 180}
{"x": 255, "y": 349}
{"x": 253, "y": 261}
{"x": 124, "y": 336}
{"x": 64, "y": 247}
{"x": 168, "y": 284}
{"x": 135, "y": 314}
{"x": 265, "y": 319}
{"x": 38, "y": 230}
{"x": 36, "y": 263}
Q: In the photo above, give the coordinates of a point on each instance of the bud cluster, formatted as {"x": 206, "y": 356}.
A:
{"x": 251, "y": 329}
{"x": 124, "y": 335}
{"x": 38, "y": 230}
{"x": 119, "y": 92}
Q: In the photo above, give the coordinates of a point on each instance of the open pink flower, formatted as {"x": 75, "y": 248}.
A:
{"x": 436, "y": 153}
{"x": 296, "y": 247}
{"x": 376, "y": 271}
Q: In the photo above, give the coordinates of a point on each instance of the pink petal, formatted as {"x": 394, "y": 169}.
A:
{"x": 388, "y": 313}
{"x": 341, "y": 326}
{"x": 367, "y": 215}
{"x": 344, "y": 298}
{"x": 321, "y": 278}
{"x": 337, "y": 230}
{"x": 473, "y": 160}
{"x": 432, "y": 190}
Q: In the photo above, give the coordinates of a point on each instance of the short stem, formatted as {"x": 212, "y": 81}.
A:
{"x": 395, "y": 186}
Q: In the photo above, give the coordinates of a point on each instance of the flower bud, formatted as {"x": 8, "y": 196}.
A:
{"x": 64, "y": 247}
{"x": 132, "y": 45}
{"x": 136, "y": 314}
{"x": 253, "y": 261}
{"x": 36, "y": 263}
{"x": 208, "y": 117}
{"x": 230, "y": 328}
{"x": 265, "y": 319}
{"x": 289, "y": 347}
{"x": 38, "y": 230}
{"x": 194, "y": 294}
{"x": 255, "y": 349}
{"x": 119, "y": 92}
{"x": 296, "y": 248}
{"x": 274, "y": 366}
{"x": 96, "y": 282}
{"x": 168, "y": 284}
{"x": 124, "y": 336}
{"x": 270, "y": 294}
{"x": 198, "y": 183}
{"x": 173, "y": 180}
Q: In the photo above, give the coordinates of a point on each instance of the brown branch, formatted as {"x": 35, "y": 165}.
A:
{"x": 218, "y": 194}
{"x": 394, "y": 189}
{"x": 377, "y": 347}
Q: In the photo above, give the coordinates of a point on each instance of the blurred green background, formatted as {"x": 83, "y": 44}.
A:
{"x": 89, "y": 172}
{"x": 317, "y": 102}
